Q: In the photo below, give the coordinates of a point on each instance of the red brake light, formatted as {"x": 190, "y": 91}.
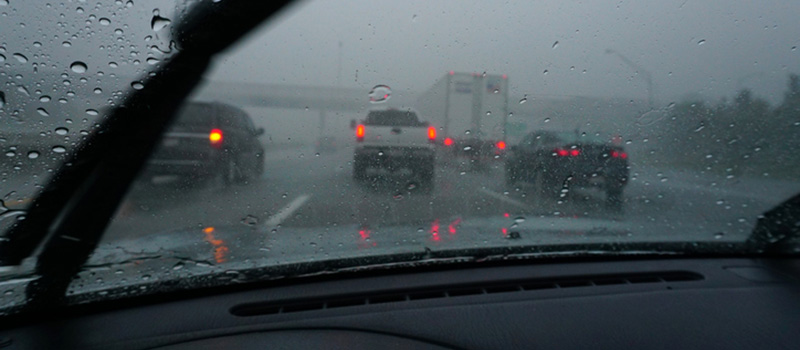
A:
{"x": 431, "y": 133}
{"x": 501, "y": 144}
{"x": 618, "y": 154}
{"x": 448, "y": 142}
{"x": 360, "y": 132}
{"x": 574, "y": 152}
{"x": 215, "y": 137}
{"x": 562, "y": 152}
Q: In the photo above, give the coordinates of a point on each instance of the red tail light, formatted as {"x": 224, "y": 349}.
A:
{"x": 448, "y": 142}
{"x": 360, "y": 132}
{"x": 501, "y": 144}
{"x": 567, "y": 152}
{"x": 618, "y": 154}
{"x": 215, "y": 137}
{"x": 431, "y": 133}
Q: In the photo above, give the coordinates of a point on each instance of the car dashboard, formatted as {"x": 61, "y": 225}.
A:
{"x": 696, "y": 303}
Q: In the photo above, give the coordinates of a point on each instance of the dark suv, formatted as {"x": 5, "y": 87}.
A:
{"x": 209, "y": 141}
{"x": 554, "y": 160}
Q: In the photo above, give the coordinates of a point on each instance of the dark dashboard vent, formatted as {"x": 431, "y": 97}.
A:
{"x": 407, "y": 295}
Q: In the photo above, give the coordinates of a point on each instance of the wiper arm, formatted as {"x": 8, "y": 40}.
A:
{"x": 777, "y": 227}
{"x": 69, "y": 218}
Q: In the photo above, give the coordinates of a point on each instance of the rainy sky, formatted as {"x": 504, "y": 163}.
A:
{"x": 703, "y": 49}
{"x": 700, "y": 49}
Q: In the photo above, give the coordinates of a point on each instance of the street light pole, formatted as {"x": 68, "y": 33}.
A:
{"x": 339, "y": 72}
{"x": 646, "y": 76}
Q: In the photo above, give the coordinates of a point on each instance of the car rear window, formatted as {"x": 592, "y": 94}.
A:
{"x": 393, "y": 118}
{"x": 573, "y": 137}
{"x": 196, "y": 115}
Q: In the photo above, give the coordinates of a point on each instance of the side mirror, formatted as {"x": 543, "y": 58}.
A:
{"x": 352, "y": 124}
{"x": 259, "y": 131}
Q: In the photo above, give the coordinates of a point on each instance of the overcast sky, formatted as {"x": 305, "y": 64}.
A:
{"x": 408, "y": 45}
{"x": 700, "y": 48}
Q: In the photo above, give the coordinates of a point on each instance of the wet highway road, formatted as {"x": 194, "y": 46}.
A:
{"x": 300, "y": 189}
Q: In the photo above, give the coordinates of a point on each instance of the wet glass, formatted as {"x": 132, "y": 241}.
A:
{"x": 539, "y": 124}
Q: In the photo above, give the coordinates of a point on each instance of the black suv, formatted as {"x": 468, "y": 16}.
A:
{"x": 209, "y": 141}
{"x": 554, "y": 160}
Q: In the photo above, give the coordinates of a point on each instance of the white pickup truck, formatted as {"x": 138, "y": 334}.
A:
{"x": 395, "y": 140}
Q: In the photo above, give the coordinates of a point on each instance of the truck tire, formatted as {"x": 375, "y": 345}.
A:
{"x": 359, "y": 170}
{"x": 614, "y": 196}
{"x": 426, "y": 175}
{"x": 548, "y": 185}
{"x": 511, "y": 175}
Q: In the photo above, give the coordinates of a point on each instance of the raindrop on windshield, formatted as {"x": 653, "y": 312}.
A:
{"x": 546, "y": 120}
{"x": 66, "y": 44}
{"x": 59, "y": 149}
{"x": 467, "y": 148}
{"x": 78, "y": 67}
{"x": 61, "y": 131}
{"x": 545, "y": 72}
{"x": 158, "y": 22}
{"x": 105, "y": 21}
{"x": 92, "y": 112}
{"x": 137, "y": 85}
{"x": 379, "y": 94}
{"x": 33, "y": 154}
{"x": 700, "y": 127}
{"x": 11, "y": 154}
{"x": 44, "y": 98}
{"x": 20, "y": 57}
{"x": 2, "y": 58}
{"x": 524, "y": 99}
{"x": 555, "y": 44}
{"x": 43, "y": 112}
{"x": 250, "y": 220}
{"x": 519, "y": 219}
{"x": 719, "y": 235}
{"x": 2, "y": 99}
{"x": 701, "y": 42}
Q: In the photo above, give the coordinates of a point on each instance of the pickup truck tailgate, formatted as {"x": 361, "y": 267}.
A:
{"x": 395, "y": 136}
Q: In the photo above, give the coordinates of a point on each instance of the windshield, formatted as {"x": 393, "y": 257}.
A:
{"x": 558, "y": 127}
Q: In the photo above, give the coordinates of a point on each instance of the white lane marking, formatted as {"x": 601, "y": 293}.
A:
{"x": 287, "y": 211}
{"x": 505, "y": 198}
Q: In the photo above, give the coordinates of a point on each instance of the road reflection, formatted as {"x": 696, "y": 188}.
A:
{"x": 220, "y": 249}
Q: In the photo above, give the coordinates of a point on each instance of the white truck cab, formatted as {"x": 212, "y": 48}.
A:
{"x": 392, "y": 140}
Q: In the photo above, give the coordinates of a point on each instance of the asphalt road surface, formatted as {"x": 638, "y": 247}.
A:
{"x": 302, "y": 189}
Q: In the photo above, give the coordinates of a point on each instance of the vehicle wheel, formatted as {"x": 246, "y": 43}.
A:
{"x": 359, "y": 170}
{"x": 511, "y": 175}
{"x": 547, "y": 185}
{"x": 614, "y": 196}
{"x": 426, "y": 179}
{"x": 231, "y": 172}
{"x": 259, "y": 170}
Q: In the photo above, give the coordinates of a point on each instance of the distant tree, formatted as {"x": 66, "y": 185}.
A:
{"x": 786, "y": 125}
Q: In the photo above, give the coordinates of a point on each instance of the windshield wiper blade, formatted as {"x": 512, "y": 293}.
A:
{"x": 777, "y": 227}
{"x": 69, "y": 218}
